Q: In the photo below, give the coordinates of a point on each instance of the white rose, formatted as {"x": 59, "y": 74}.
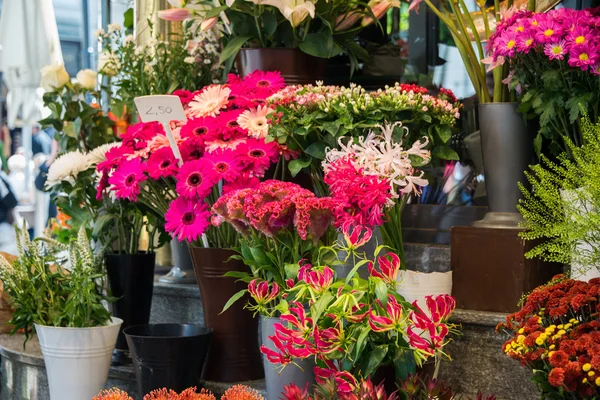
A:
{"x": 107, "y": 64}
{"x": 87, "y": 78}
{"x": 54, "y": 77}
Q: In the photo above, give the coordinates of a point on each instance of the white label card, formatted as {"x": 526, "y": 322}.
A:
{"x": 162, "y": 108}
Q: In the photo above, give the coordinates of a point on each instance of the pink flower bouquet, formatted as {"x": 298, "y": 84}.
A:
{"x": 222, "y": 146}
{"x": 554, "y": 61}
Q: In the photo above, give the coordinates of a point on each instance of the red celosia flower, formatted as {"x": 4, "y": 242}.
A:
{"x": 313, "y": 216}
{"x": 162, "y": 164}
{"x": 127, "y": 178}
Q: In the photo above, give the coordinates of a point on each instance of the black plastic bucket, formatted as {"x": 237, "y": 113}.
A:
{"x": 167, "y": 355}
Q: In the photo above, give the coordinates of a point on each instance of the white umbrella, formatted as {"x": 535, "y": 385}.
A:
{"x": 28, "y": 41}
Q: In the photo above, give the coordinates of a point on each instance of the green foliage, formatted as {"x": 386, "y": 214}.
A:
{"x": 561, "y": 209}
{"x": 54, "y": 284}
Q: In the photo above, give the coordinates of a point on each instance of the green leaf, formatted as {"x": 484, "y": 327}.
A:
{"x": 575, "y": 105}
{"x": 68, "y": 129}
{"x": 233, "y": 299}
{"x": 355, "y": 268}
{"x": 259, "y": 256}
{"x": 128, "y": 19}
{"x": 318, "y": 44}
{"x": 537, "y": 144}
{"x": 237, "y": 274}
{"x": 317, "y": 309}
{"x": 316, "y": 150}
{"x": 233, "y": 47}
{"x": 381, "y": 290}
{"x": 100, "y": 223}
{"x": 361, "y": 342}
{"x": 444, "y": 132}
{"x": 215, "y": 12}
{"x": 291, "y": 270}
{"x": 405, "y": 364}
{"x": 445, "y": 153}
{"x": 375, "y": 359}
{"x": 332, "y": 127}
{"x": 295, "y": 166}
{"x": 269, "y": 21}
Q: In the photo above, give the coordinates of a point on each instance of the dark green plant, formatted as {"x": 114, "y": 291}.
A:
{"x": 561, "y": 208}
{"x": 54, "y": 284}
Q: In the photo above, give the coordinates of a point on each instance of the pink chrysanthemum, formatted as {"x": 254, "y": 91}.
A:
{"x": 223, "y": 164}
{"x": 187, "y": 219}
{"x": 556, "y": 51}
{"x": 583, "y": 56}
{"x": 261, "y": 81}
{"x": 257, "y": 156}
{"x": 193, "y": 180}
{"x": 525, "y": 42}
{"x": 162, "y": 164}
{"x": 127, "y": 178}
{"x": 192, "y": 149}
{"x": 548, "y": 31}
{"x": 507, "y": 44}
{"x": 199, "y": 127}
{"x": 580, "y": 35}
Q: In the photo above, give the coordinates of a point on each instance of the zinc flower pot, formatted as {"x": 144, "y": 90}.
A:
{"x": 413, "y": 285}
{"x": 77, "y": 359}
{"x": 300, "y": 374}
{"x": 233, "y": 355}
{"x": 167, "y": 355}
{"x": 296, "y": 67}
{"x": 507, "y": 147}
{"x": 131, "y": 281}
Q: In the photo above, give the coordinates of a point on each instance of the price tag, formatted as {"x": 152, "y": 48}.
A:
{"x": 164, "y": 109}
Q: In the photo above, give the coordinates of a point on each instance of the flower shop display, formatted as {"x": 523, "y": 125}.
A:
{"x": 76, "y": 332}
{"x": 291, "y": 36}
{"x": 561, "y": 207}
{"x": 167, "y": 355}
{"x": 556, "y": 334}
{"x": 309, "y": 119}
{"x": 358, "y": 328}
{"x": 280, "y": 224}
{"x": 555, "y": 66}
{"x": 237, "y": 392}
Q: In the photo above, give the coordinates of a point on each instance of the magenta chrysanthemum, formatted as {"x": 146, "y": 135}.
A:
{"x": 162, "y": 164}
{"x": 126, "y": 179}
{"x": 187, "y": 219}
{"x": 193, "y": 180}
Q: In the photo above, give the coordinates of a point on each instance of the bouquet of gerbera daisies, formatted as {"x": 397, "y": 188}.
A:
{"x": 554, "y": 60}
{"x": 310, "y": 119}
{"x": 557, "y": 334}
{"x": 372, "y": 178}
{"x": 223, "y": 148}
{"x": 280, "y": 224}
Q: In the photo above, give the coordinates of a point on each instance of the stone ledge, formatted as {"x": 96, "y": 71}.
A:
{"x": 473, "y": 317}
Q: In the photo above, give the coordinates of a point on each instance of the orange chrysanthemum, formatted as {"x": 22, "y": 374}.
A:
{"x": 112, "y": 394}
{"x": 241, "y": 392}
{"x": 190, "y": 394}
{"x": 162, "y": 394}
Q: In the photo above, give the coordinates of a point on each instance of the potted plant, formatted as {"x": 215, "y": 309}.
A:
{"x": 553, "y": 335}
{"x": 280, "y": 224}
{"x": 502, "y": 128}
{"x": 291, "y": 36}
{"x": 76, "y": 332}
{"x": 561, "y": 206}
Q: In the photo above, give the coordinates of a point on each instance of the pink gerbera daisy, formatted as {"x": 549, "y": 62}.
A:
{"x": 184, "y": 95}
{"x": 187, "y": 219}
{"x": 209, "y": 102}
{"x": 255, "y": 121}
{"x": 195, "y": 127}
{"x": 140, "y": 134}
{"x": 243, "y": 181}
{"x": 114, "y": 157}
{"x": 192, "y": 149}
{"x": 162, "y": 164}
{"x": 223, "y": 164}
{"x": 257, "y": 156}
{"x": 227, "y": 125}
{"x": 193, "y": 180}
{"x": 264, "y": 81}
{"x": 127, "y": 178}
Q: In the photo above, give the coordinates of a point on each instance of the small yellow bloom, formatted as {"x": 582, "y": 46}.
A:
{"x": 539, "y": 341}
{"x": 560, "y": 326}
{"x": 550, "y": 354}
{"x": 552, "y": 347}
{"x": 522, "y": 330}
{"x": 592, "y": 373}
{"x": 584, "y": 380}
{"x": 597, "y": 381}
{"x": 562, "y": 332}
{"x": 568, "y": 326}
{"x": 586, "y": 367}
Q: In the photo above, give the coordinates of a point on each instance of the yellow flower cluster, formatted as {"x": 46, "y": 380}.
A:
{"x": 553, "y": 332}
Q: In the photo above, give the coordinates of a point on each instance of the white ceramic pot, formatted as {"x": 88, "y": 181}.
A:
{"x": 77, "y": 359}
{"x": 414, "y": 285}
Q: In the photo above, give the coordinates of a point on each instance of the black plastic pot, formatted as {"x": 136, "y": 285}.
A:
{"x": 167, "y": 355}
{"x": 131, "y": 281}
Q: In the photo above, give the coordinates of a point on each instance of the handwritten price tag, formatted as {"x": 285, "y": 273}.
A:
{"x": 164, "y": 109}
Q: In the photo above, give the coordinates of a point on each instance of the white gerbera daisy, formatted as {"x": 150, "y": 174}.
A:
{"x": 98, "y": 155}
{"x": 255, "y": 121}
{"x": 66, "y": 168}
{"x": 209, "y": 102}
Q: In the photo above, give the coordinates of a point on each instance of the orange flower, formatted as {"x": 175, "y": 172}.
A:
{"x": 190, "y": 394}
{"x": 112, "y": 394}
{"x": 121, "y": 123}
{"x": 241, "y": 392}
{"x": 162, "y": 394}
{"x": 63, "y": 218}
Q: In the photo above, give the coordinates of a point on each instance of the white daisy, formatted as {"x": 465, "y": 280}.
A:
{"x": 98, "y": 155}
{"x": 209, "y": 102}
{"x": 255, "y": 121}
{"x": 66, "y": 168}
